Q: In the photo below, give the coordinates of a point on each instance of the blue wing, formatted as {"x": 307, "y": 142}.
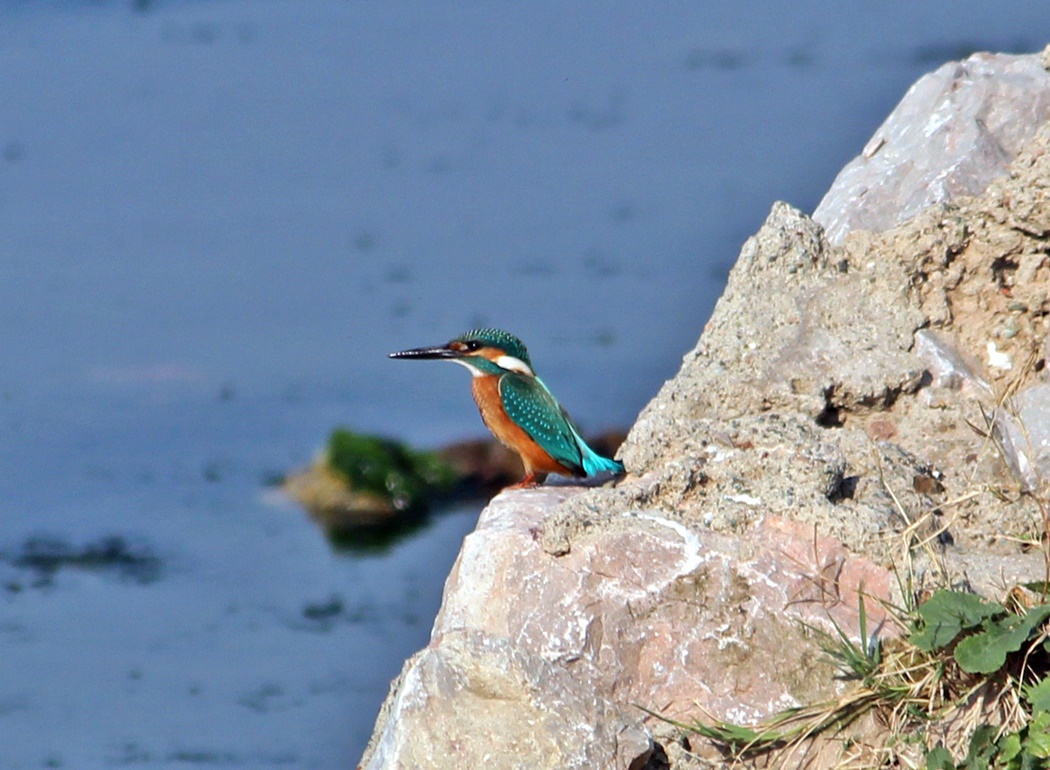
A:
{"x": 533, "y": 409}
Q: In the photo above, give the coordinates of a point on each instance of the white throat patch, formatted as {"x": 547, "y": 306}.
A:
{"x": 514, "y": 365}
{"x": 474, "y": 371}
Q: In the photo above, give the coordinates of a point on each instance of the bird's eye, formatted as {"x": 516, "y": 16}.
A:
{"x": 473, "y": 345}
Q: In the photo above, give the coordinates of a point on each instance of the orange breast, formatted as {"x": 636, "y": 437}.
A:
{"x": 536, "y": 460}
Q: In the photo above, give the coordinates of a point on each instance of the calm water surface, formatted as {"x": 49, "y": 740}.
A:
{"x": 216, "y": 218}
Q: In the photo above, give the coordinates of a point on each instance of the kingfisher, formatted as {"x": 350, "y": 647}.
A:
{"x": 518, "y": 408}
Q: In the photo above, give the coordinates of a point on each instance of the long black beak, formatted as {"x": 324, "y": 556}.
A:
{"x": 427, "y": 353}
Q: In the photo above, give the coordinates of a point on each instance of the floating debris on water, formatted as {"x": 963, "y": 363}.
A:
{"x": 114, "y": 555}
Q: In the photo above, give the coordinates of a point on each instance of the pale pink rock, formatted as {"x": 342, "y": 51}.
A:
{"x": 538, "y": 656}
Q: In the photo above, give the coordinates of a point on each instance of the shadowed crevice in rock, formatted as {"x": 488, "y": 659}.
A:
{"x": 842, "y": 488}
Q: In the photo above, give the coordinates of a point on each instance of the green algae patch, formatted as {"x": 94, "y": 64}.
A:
{"x": 404, "y": 477}
{"x": 367, "y": 491}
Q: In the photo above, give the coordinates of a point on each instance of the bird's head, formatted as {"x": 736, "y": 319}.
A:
{"x": 483, "y": 351}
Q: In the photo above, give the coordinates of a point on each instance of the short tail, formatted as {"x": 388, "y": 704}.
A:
{"x": 594, "y": 463}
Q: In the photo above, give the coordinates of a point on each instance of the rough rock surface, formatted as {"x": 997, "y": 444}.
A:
{"x": 649, "y": 612}
{"x": 848, "y": 411}
{"x": 479, "y": 700}
{"x": 955, "y": 130}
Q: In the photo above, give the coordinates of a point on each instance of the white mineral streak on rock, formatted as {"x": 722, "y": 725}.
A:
{"x": 745, "y": 499}
{"x": 691, "y": 545}
{"x": 718, "y": 454}
{"x": 997, "y": 359}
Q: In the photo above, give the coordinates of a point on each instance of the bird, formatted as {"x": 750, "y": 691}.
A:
{"x": 518, "y": 407}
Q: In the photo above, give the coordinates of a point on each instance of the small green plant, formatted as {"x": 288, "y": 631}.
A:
{"x": 1025, "y": 749}
{"x": 970, "y": 670}
{"x": 1007, "y": 650}
{"x": 979, "y": 634}
{"x": 947, "y": 614}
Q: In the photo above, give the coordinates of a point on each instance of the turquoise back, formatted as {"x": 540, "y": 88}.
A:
{"x": 533, "y": 409}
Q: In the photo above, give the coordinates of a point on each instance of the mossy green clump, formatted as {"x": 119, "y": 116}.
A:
{"x": 389, "y": 469}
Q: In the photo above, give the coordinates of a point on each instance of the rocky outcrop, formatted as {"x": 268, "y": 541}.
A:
{"x": 955, "y": 131}
{"x": 850, "y": 410}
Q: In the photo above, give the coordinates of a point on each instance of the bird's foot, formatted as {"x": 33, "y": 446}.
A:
{"x": 531, "y": 481}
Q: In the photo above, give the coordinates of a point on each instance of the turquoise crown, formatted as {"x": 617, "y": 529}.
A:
{"x": 497, "y": 338}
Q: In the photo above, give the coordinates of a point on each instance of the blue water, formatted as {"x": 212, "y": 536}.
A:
{"x": 216, "y": 218}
